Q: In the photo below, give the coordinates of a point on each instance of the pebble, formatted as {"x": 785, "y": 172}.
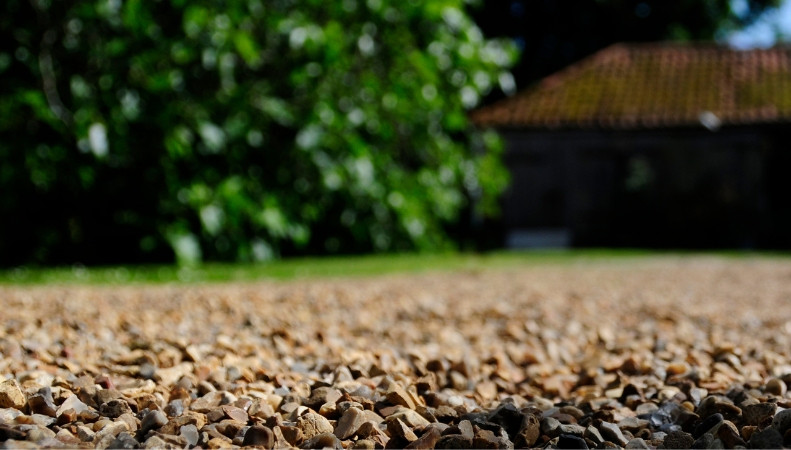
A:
{"x": 11, "y": 395}
{"x": 776, "y": 386}
{"x": 612, "y": 433}
{"x": 759, "y": 413}
{"x": 323, "y": 440}
{"x": 571, "y": 441}
{"x": 349, "y": 423}
{"x": 259, "y": 436}
{"x": 766, "y": 438}
{"x": 153, "y": 420}
{"x": 42, "y": 402}
{"x": 312, "y": 424}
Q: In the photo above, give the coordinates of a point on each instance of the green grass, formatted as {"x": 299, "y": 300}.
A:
{"x": 324, "y": 267}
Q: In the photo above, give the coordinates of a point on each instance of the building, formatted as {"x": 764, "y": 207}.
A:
{"x": 651, "y": 145}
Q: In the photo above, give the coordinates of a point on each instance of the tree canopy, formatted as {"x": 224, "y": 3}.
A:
{"x": 133, "y": 131}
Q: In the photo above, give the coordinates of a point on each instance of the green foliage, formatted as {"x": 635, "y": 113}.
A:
{"x": 241, "y": 129}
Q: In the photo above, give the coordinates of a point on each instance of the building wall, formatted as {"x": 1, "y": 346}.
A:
{"x": 688, "y": 188}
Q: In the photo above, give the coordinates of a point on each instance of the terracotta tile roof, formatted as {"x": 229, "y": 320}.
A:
{"x": 654, "y": 85}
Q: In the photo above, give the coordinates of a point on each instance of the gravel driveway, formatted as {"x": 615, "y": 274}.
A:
{"x": 652, "y": 352}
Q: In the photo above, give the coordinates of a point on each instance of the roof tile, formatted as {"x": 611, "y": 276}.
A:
{"x": 654, "y": 85}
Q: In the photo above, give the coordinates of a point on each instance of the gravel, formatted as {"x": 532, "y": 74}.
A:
{"x": 650, "y": 353}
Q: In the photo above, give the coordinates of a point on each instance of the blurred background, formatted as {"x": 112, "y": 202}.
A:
{"x": 153, "y": 132}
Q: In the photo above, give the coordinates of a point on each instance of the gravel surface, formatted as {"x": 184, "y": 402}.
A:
{"x": 650, "y": 353}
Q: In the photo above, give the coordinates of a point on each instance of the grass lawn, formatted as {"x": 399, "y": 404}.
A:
{"x": 346, "y": 266}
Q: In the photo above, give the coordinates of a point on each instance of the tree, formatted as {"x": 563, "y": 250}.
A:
{"x": 554, "y": 34}
{"x": 240, "y": 129}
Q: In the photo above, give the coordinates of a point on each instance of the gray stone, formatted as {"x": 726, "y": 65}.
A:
{"x": 349, "y": 423}
{"x": 612, "y": 433}
{"x": 572, "y": 429}
{"x": 766, "y": 438}
{"x": 72, "y": 403}
{"x": 190, "y": 433}
{"x": 593, "y": 435}
{"x": 550, "y": 427}
{"x": 637, "y": 443}
{"x": 153, "y": 420}
{"x": 124, "y": 440}
{"x": 782, "y": 421}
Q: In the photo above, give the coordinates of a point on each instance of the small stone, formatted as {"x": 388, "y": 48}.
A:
{"x": 612, "y": 433}
{"x": 320, "y": 396}
{"x": 782, "y": 421}
{"x": 571, "y": 441}
{"x": 174, "y": 408}
{"x": 766, "y": 438}
{"x": 42, "y": 403}
{"x": 229, "y": 427}
{"x": 114, "y": 408}
{"x": 593, "y": 435}
{"x": 292, "y": 435}
{"x": 487, "y": 439}
{"x": 409, "y": 417}
{"x": 218, "y": 442}
{"x": 729, "y": 435}
{"x": 508, "y": 417}
{"x": 572, "y": 428}
{"x": 190, "y": 434}
{"x": 153, "y": 420}
{"x": 124, "y": 440}
{"x": 637, "y": 443}
{"x": 9, "y": 433}
{"x": 85, "y": 434}
{"x": 529, "y": 431}
{"x": 759, "y": 413}
{"x": 776, "y": 386}
{"x": 427, "y": 441}
{"x": 323, "y": 440}
{"x": 72, "y": 403}
{"x": 466, "y": 429}
{"x": 11, "y": 395}
{"x": 367, "y": 444}
{"x": 65, "y": 436}
{"x": 707, "y": 424}
{"x": 550, "y": 426}
{"x": 349, "y": 423}
{"x": 312, "y": 424}
{"x": 209, "y": 401}
{"x": 39, "y": 434}
{"x": 155, "y": 442}
{"x": 454, "y": 441}
{"x": 678, "y": 439}
{"x": 235, "y": 413}
{"x": 399, "y": 396}
{"x": 398, "y": 429}
{"x": 259, "y": 436}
